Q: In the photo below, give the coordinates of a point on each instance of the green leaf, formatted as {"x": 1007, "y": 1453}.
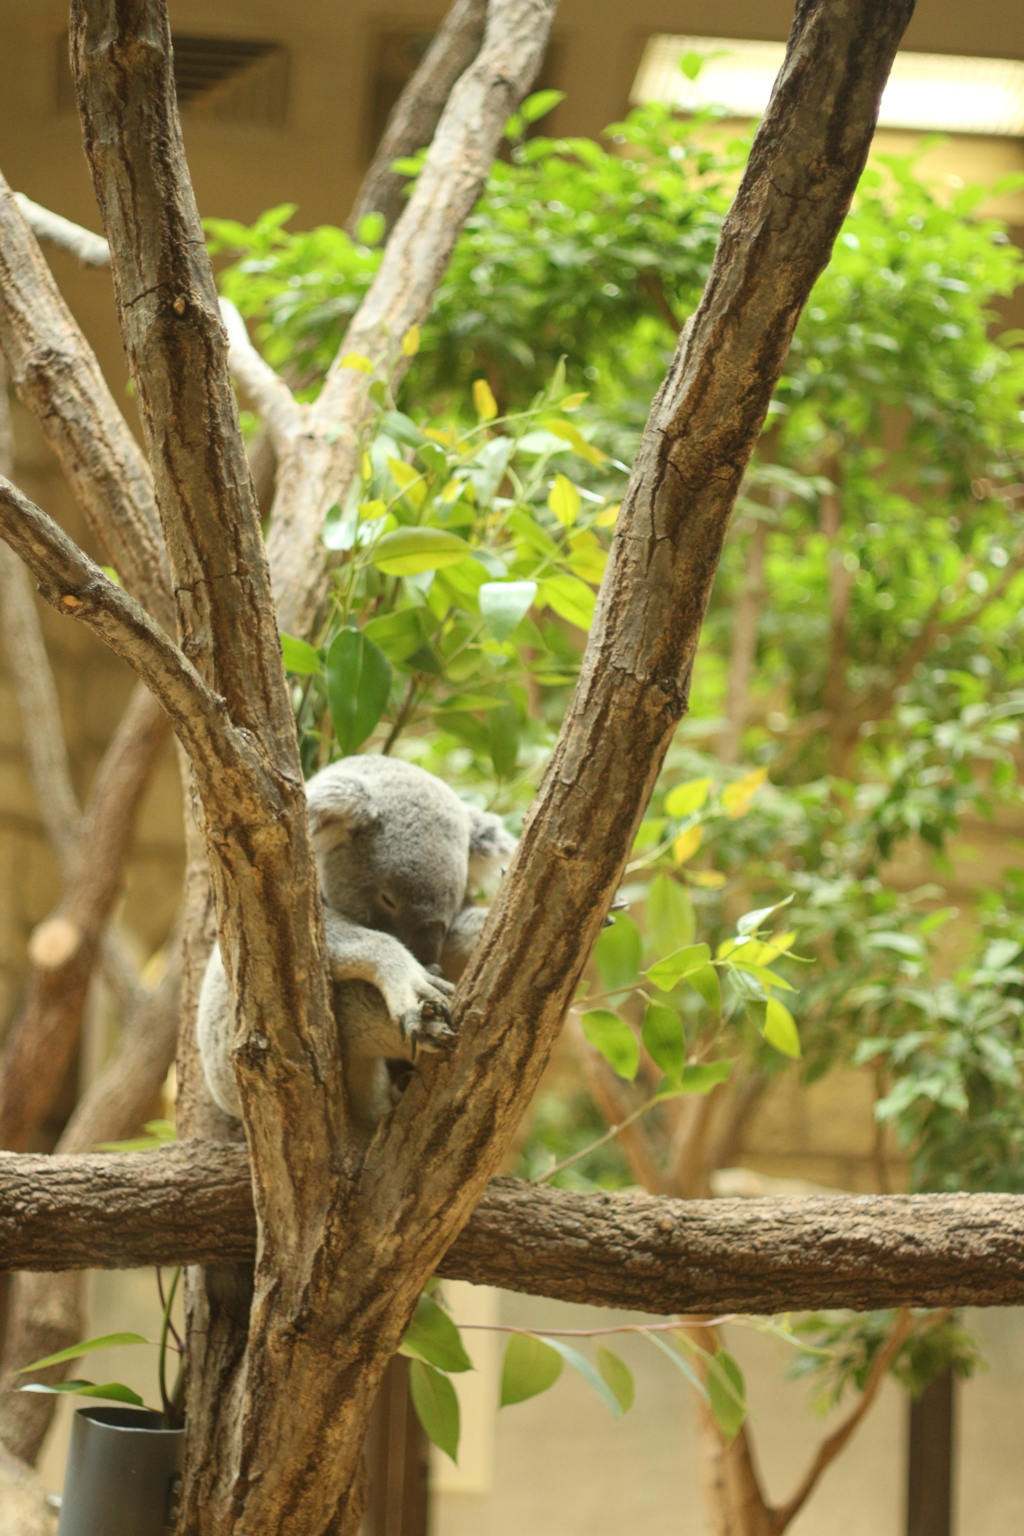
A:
{"x": 504, "y": 604}
{"x": 687, "y": 798}
{"x": 780, "y": 1028}
{"x": 663, "y": 1039}
{"x": 571, "y": 599}
{"x": 617, "y": 952}
{"x": 702, "y": 1076}
{"x": 437, "y": 1406}
{"x": 618, "y": 1377}
{"x": 590, "y": 1374}
{"x": 750, "y": 922}
{"x": 670, "y": 918}
{"x": 665, "y": 974}
{"x": 298, "y": 656}
{"x": 87, "y": 1347}
{"x": 408, "y": 551}
{"x": 503, "y": 733}
{"x": 564, "y": 499}
{"x": 540, "y": 104}
{"x": 370, "y": 228}
{"x": 727, "y": 1394}
{"x": 705, "y": 981}
{"x": 398, "y": 634}
{"x": 678, "y": 1361}
{"x": 434, "y": 1338}
{"x": 612, "y": 1036}
{"x": 530, "y": 1367}
{"x": 358, "y": 687}
{"x": 113, "y": 1391}
{"x": 765, "y": 976}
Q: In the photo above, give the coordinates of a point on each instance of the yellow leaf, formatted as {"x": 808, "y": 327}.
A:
{"x": 608, "y": 517}
{"x": 371, "y": 509}
{"x": 588, "y": 563}
{"x": 572, "y": 435}
{"x": 411, "y": 341}
{"x": 687, "y": 798}
{"x": 707, "y": 879}
{"x": 564, "y": 500}
{"x": 686, "y": 844}
{"x": 572, "y": 401}
{"x": 408, "y": 480}
{"x": 736, "y": 797}
{"x": 366, "y": 467}
{"x": 443, "y": 435}
{"x": 451, "y": 492}
{"x": 486, "y": 405}
{"x": 358, "y": 361}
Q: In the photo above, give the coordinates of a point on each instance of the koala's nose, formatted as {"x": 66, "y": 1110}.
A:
{"x": 427, "y": 942}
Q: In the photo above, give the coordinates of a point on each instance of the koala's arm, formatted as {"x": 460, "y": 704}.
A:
{"x": 416, "y": 1002}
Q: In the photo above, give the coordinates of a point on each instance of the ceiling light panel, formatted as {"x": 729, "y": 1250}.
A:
{"x": 929, "y": 91}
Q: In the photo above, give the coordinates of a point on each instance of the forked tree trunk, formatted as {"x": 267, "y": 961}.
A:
{"x": 346, "y": 1238}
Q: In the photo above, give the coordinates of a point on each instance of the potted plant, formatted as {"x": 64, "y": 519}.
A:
{"x": 123, "y": 1472}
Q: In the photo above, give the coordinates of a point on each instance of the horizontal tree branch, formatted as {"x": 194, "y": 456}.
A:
{"x": 192, "y": 1204}
{"x": 91, "y": 250}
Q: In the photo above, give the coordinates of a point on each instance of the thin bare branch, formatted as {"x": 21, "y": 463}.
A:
{"x": 267, "y": 390}
{"x": 783, "y": 1516}
{"x": 91, "y": 250}
{"x": 453, "y": 176}
{"x": 417, "y": 112}
{"x": 58, "y": 378}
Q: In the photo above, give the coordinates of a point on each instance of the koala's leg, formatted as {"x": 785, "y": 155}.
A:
{"x": 461, "y": 940}
{"x": 410, "y": 1013}
{"x": 213, "y": 1032}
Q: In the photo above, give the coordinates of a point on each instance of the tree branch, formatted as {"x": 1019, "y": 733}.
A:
{"x": 75, "y": 586}
{"x": 267, "y": 390}
{"x": 58, "y": 378}
{"x": 176, "y": 349}
{"x": 91, "y": 250}
{"x": 783, "y": 1516}
{"x": 64, "y": 947}
{"x": 417, "y": 112}
{"x": 453, "y": 176}
{"x": 192, "y": 1204}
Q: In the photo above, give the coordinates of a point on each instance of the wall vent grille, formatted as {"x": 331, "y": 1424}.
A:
{"x": 222, "y": 79}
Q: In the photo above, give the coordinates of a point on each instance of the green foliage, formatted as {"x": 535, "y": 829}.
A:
{"x": 437, "y": 1406}
{"x": 887, "y": 680}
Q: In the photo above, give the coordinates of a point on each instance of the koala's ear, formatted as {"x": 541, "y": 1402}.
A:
{"x": 491, "y": 846}
{"x": 339, "y": 804}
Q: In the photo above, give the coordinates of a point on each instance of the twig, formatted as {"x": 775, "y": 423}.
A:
{"x": 829, "y": 1449}
{"x": 91, "y": 250}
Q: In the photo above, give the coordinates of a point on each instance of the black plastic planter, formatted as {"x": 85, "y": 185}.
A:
{"x": 123, "y": 1474}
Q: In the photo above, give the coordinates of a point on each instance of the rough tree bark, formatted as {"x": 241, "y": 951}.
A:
{"x": 193, "y": 1204}
{"x": 345, "y": 1241}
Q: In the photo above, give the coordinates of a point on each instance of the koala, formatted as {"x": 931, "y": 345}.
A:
{"x": 397, "y": 853}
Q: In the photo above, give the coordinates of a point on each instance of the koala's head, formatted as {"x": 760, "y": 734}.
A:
{"x": 394, "y": 846}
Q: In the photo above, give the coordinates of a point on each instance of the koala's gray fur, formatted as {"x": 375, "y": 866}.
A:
{"x": 398, "y": 852}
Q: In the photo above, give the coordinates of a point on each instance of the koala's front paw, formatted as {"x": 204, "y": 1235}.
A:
{"x": 423, "y": 1014}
